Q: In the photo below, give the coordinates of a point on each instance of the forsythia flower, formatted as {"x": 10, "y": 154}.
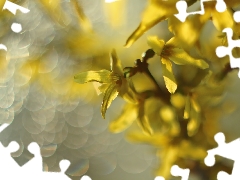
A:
{"x": 113, "y": 82}
{"x": 171, "y": 51}
{"x": 130, "y": 113}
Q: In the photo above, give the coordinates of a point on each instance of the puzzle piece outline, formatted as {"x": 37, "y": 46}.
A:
{"x": 220, "y": 7}
{"x": 227, "y": 150}
{"x": 184, "y": 177}
{"x": 222, "y": 51}
{"x": 182, "y": 9}
{"x": 177, "y": 171}
{"x": 33, "y": 168}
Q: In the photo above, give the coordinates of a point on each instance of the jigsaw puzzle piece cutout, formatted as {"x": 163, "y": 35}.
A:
{"x": 222, "y": 51}
{"x": 223, "y": 176}
{"x": 177, "y": 171}
{"x": 11, "y": 133}
{"x": 227, "y": 150}
{"x": 33, "y": 169}
{"x": 5, "y": 125}
{"x": 6, "y": 157}
{"x": 182, "y": 9}
{"x": 13, "y": 8}
{"x": 236, "y": 16}
{"x": 63, "y": 164}
{"x": 85, "y": 177}
{"x": 35, "y": 150}
{"x": 159, "y": 178}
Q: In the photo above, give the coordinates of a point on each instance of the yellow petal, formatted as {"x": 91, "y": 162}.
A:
{"x": 191, "y": 151}
{"x": 115, "y": 11}
{"x": 84, "y": 21}
{"x": 103, "y": 88}
{"x": 143, "y": 121}
{"x": 180, "y": 57}
{"x": 178, "y": 100}
{"x": 2, "y": 2}
{"x": 168, "y": 157}
{"x": 156, "y": 139}
{"x": 155, "y": 12}
{"x": 127, "y": 91}
{"x": 168, "y": 75}
{"x": 102, "y": 76}
{"x": 156, "y": 44}
{"x": 187, "y": 108}
{"x": 188, "y": 32}
{"x": 195, "y": 118}
{"x": 116, "y": 65}
{"x": 126, "y": 118}
{"x": 109, "y": 95}
{"x": 167, "y": 114}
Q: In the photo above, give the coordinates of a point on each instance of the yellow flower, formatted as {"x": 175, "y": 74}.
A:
{"x": 171, "y": 150}
{"x": 130, "y": 113}
{"x": 155, "y": 12}
{"x": 113, "y": 82}
{"x": 172, "y": 51}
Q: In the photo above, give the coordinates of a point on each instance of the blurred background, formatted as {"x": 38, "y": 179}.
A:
{"x": 43, "y": 103}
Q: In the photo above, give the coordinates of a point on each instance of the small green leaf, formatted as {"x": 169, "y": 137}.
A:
{"x": 126, "y": 118}
{"x": 156, "y": 44}
{"x": 102, "y": 76}
{"x": 116, "y": 65}
{"x": 109, "y": 95}
{"x": 180, "y": 57}
{"x": 168, "y": 75}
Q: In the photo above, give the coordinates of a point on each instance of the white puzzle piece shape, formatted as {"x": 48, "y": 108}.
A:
{"x": 182, "y": 9}
{"x": 222, "y": 51}
{"x": 16, "y": 27}
{"x": 227, "y": 150}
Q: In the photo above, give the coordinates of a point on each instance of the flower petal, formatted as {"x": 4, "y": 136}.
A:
{"x": 168, "y": 157}
{"x": 102, "y": 76}
{"x": 127, "y": 91}
{"x": 191, "y": 151}
{"x": 155, "y": 12}
{"x": 143, "y": 121}
{"x": 168, "y": 75}
{"x": 156, "y": 44}
{"x": 109, "y": 95}
{"x": 180, "y": 57}
{"x": 187, "y": 108}
{"x": 223, "y": 20}
{"x": 195, "y": 118}
{"x": 116, "y": 65}
{"x": 158, "y": 139}
{"x": 103, "y": 88}
{"x": 126, "y": 118}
